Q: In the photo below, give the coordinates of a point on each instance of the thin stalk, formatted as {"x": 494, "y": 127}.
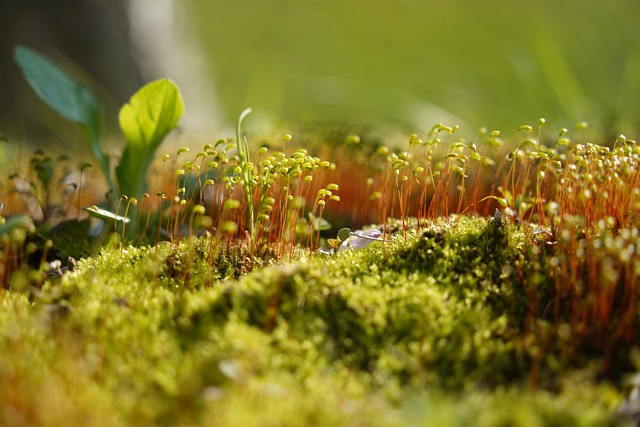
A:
{"x": 247, "y": 182}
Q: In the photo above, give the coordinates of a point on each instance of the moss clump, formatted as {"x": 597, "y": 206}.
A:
{"x": 425, "y": 329}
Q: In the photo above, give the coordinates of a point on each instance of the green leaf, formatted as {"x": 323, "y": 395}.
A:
{"x": 59, "y": 91}
{"x": 65, "y": 96}
{"x": 344, "y": 234}
{"x": 145, "y": 121}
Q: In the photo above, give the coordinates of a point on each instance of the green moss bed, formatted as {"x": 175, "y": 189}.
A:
{"x": 434, "y": 329}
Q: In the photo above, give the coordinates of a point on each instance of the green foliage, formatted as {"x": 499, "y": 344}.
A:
{"x": 64, "y": 95}
{"x": 145, "y": 121}
{"x": 67, "y": 97}
{"x": 150, "y": 115}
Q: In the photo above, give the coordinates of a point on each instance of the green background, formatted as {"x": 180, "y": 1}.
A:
{"x": 409, "y": 62}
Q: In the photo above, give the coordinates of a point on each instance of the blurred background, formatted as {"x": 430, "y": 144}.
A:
{"x": 395, "y": 66}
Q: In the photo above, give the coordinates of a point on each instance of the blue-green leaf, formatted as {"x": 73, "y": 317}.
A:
{"x": 59, "y": 91}
{"x": 70, "y": 99}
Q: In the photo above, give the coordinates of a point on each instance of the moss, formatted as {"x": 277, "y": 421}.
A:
{"x": 161, "y": 336}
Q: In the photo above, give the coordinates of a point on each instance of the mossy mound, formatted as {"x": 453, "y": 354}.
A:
{"x": 431, "y": 329}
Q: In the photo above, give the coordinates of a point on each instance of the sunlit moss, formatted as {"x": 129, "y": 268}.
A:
{"x": 424, "y": 329}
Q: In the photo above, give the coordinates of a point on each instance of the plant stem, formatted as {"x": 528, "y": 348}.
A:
{"x": 247, "y": 182}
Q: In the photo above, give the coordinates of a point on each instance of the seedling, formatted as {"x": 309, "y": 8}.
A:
{"x": 145, "y": 121}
